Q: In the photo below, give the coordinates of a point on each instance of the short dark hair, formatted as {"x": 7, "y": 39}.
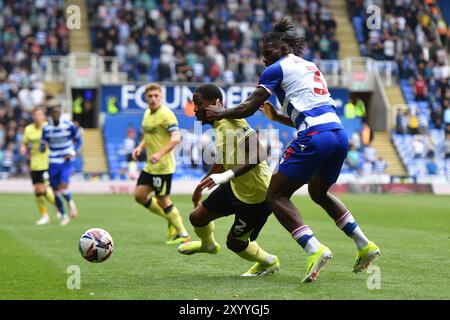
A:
{"x": 284, "y": 32}
{"x": 209, "y": 91}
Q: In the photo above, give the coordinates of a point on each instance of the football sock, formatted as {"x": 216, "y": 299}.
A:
{"x": 66, "y": 194}
{"x": 50, "y": 195}
{"x": 206, "y": 234}
{"x": 153, "y": 206}
{"x": 305, "y": 237}
{"x": 348, "y": 224}
{"x": 59, "y": 202}
{"x": 175, "y": 219}
{"x": 40, "y": 200}
{"x": 254, "y": 252}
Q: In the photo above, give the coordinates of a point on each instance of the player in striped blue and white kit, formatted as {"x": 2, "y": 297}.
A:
{"x": 64, "y": 141}
{"x": 315, "y": 157}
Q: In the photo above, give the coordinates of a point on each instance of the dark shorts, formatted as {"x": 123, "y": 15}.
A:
{"x": 321, "y": 154}
{"x": 249, "y": 218}
{"x": 160, "y": 183}
{"x": 39, "y": 176}
{"x": 60, "y": 173}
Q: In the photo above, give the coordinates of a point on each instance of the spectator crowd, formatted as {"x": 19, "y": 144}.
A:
{"x": 29, "y": 30}
{"x": 203, "y": 40}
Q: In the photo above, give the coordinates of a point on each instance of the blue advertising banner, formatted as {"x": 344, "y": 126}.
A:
{"x": 129, "y": 98}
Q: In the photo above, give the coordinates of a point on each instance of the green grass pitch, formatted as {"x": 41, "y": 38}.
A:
{"x": 412, "y": 231}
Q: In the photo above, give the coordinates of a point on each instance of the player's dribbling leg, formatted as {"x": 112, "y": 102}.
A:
{"x": 202, "y": 221}
{"x": 368, "y": 251}
{"x": 280, "y": 191}
{"x": 266, "y": 263}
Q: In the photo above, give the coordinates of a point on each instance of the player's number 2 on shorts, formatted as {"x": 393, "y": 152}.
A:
{"x": 157, "y": 182}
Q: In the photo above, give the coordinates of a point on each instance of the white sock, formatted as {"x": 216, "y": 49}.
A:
{"x": 305, "y": 237}
{"x": 348, "y": 224}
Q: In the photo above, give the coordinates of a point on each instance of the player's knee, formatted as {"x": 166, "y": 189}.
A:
{"x": 196, "y": 219}
{"x": 40, "y": 190}
{"x": 163, "y": 201}
{"x": 316, "y": 195}
{"x": 235, "y": 244}
{"x": 140, "y": 198}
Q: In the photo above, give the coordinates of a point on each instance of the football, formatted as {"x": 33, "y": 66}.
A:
{"x": 96, "y": 245}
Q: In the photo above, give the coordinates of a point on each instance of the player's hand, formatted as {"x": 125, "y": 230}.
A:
{"x": 207, "y": 183}
{"x": 23, "y": 150}
{"x": 269, "y": 110}
{"x": 214, "y": 111}
{"x": 136, "y": 153}
{"x": 71, "y": 155}
{"x": 155, "y": 157}
{"x": 197, "y": 196}
{"x": 216, "y": 179}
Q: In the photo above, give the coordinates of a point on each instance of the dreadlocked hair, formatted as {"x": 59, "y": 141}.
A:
{"x": 285, "y": 32}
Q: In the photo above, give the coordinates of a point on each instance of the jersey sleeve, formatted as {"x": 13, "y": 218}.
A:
{"x": 171, "y": 122}
{"x": 271, "y": 78}
{"x": 76, "y": 136}
{"x": 44, "y": 139}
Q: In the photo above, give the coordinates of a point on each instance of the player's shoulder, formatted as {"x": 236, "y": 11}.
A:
{"x": 167, "y": 114}
{"x": 47, "y": 126}
{"x": 274, "y": 69}
{"x": 28, "y": 128}
{"x": 67, "y": 122}
{"x": 294, "y": 62}
{"x": 167, "y": 111}
{"x": 233, "y": 124}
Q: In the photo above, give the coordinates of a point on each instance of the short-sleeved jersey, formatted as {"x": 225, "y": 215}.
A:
{"x": 32, "y": 137}
{"x": 63, "y": 140}
{"x": 302, "y": 91}
{"x": 157, "y": 127}
{"x": 229, "y": 134}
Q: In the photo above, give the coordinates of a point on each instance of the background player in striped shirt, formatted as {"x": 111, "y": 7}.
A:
{"x": 38, "y": 163}
{"x": 315, "y": 157}
{"x": 161, "y": 135}
{"x": 64, "y": 141}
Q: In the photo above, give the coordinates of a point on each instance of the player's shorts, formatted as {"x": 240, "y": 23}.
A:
{"x": 60, "y": 173}
{"x": 160, "y": 183}
{"x": 320, "y": 154}
{"x": 249, "y": 218}
{"x": 39, "y": 176}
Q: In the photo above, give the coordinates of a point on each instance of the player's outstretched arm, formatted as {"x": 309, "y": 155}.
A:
{"x": 197, "y": 195}
{"x": 243, "y": 110}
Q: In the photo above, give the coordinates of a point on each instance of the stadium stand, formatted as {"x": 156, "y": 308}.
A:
{"x": 179, "y": 40}
{"x": 414, "y": 35}
{"x": 29, "y": 30}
